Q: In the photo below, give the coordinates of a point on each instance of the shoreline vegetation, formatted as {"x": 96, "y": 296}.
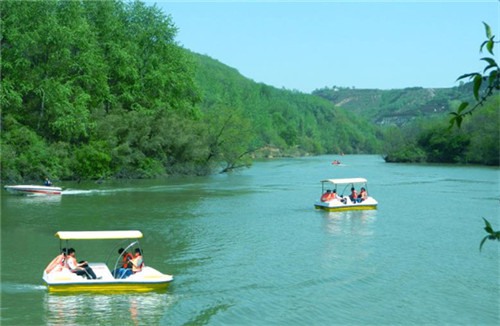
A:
{"x": 97, "y": 90}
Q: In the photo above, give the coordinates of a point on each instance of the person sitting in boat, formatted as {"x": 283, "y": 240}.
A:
{"x": 47, "y": 182}
{"x": 81, "y": 268}
{"x": 327, "y": 196}
{"x": 126, "y": 258}
{"x": 137, "y": 264}
{"x": 354, "y": 195}
{"x": 334, "y": 195}
{"x": 58, "y": 263}
{"x": 362, "y": 195}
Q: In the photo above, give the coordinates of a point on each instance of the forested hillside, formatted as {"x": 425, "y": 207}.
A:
{"x": 292, "y": 122}
{"x": 101, "y": 89}
{"x": 431, "y": 139}
{"x": 415, "y": 123}
{"x": 97, "y": 89}
{"x": 397, "y": 106}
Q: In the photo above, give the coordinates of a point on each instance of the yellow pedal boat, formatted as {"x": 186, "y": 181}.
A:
{"x": 59, "y": 278}
{"x": 336, "y": 195}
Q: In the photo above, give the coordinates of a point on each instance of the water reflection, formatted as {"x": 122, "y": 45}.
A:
{"x": 33, "y": 199}
{"x": 351, "y": 222}
{"x": 128, "y": 309}
{"x": 348, "y": 247}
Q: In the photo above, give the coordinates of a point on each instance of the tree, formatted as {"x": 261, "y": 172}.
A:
{"x": 230, "y": 137}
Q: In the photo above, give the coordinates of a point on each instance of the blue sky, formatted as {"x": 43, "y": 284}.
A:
{"x": 303, "y": 46}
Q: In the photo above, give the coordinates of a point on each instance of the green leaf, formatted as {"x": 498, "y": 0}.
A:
{"x": 458, "y": 120}
{"x": 488, "y": 67}
{"x": 482, "y": 46}
{"x": 482, "y": 242}
{"x": 473, "y": 74}
{"x": 478, "y": 79}
{"x": 487, "y": 29}
{"x": 453, "y": 120}
{"x": 492, "y": 78}
{"x": 490, "y": 61}
{"x": 488, "y": 227}
{"x": 462, "y": 107}
{"x": 489, "y": 46}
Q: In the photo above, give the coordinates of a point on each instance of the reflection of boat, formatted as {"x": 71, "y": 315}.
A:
{"x": 61, "y": 279}
{"x": 33, "y": 190}
{"x": 108, "y": 309}
{"x": 358, "y": 223}
{"x": 343, "y": 202}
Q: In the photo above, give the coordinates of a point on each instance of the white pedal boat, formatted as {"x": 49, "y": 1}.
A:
{"x": 61, "y": 279}
{"x": 342, "y": 201}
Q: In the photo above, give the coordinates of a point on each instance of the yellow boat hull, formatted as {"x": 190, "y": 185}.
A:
{"x": 108, "y": 287}
{"x": 346, "y": 208}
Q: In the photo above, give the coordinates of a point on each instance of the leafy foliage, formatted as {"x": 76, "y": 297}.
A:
{"x": 443, "y": 145}
{"x": 488, "y": 145}
{"x": 492, "y": 235}
{"x": 490, "y": 74}
{"x": 95, "y": 89}
{"x": 92, "y": 86}
{"x": 429, "y": 140}
{"x": 292, "y": 122}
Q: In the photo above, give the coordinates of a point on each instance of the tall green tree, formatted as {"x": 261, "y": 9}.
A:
{"x": 230, "y": 137}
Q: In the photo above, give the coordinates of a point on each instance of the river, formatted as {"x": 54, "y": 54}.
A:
{"x": 248, "y": 248}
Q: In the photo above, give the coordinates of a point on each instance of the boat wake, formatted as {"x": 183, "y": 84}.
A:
{"x": 78, "y": 192}
{"x": 93, "y": 191}
{"x": 116, "y": 190}
{"x": 21, "y": 288}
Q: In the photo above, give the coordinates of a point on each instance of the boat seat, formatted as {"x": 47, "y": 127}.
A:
{"x": 101, "y": 270}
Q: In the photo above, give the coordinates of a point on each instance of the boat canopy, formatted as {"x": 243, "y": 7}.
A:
{"x": 89, "y": 235}
{"x": 345, "y": 181}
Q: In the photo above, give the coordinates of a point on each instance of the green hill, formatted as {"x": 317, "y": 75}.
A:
{"x": 291, "y": 122}
{"x": 100, "y": 89}
{"x": 396, "y": 106}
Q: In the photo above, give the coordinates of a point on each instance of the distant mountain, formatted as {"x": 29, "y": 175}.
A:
{"x": 382, "y": 107}
{"x": 396, "y": 106}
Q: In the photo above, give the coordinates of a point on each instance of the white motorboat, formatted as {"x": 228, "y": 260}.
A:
{"x": 33, "y": 190}
{"x": 59, "y": 278}
{"x": 335, "y": 195}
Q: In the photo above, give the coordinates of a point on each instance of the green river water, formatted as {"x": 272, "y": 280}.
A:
{"x": 248, "y": 248}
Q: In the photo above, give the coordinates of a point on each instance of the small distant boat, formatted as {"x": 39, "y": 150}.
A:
{"x": 336, "y": 162}
{"x": 33, "y": 190}
{"x": 333, "y": 198}
{"x": 60, "y": 279}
